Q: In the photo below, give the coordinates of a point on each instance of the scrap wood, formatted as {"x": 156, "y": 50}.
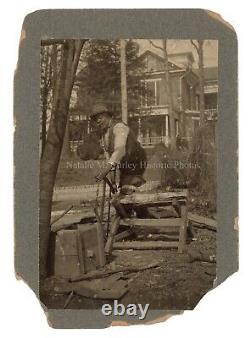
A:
{"x": 203, "y": 221}
{"x": 157, "y": 237}
{"x": 64, "y": 213}
{"x": 103, "y": 201}
{"x": 197, "y": 255}
{"x": 122, "y": 235}
{"x": 117, "y": 292}
{"x": 108, "y": 288}
{"x": 163, "y": 212}
{"x": 100, "y": 239}
{"x": 80, "y": 251}
{"x": 173, "y": 223}
{"x": 140, "y": 198}
{"x": 145, "y": 245}
{"x": 112, "y": 232}
{"x": 70, "y": 220}
{"x": 68, "y": 300}
{"x": 104, "y": 273}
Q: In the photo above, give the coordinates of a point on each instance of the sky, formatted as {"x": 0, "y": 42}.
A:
{"x": 181, "y": 46}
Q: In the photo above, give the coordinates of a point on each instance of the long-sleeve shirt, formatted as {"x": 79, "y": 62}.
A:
{"x": 120, "y": 131}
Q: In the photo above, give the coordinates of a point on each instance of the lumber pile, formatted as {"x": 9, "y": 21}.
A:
{"x": 202, "y": 221}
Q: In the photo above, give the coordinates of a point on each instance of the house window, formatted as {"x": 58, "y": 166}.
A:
{"x": 176, "y": 127}
{"x": 150, "y": 95}
{"x": 196, "y": 122}
{"x": 197, "y": 102}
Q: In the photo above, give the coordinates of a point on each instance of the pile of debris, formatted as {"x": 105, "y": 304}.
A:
{"x": 82, "y": 264}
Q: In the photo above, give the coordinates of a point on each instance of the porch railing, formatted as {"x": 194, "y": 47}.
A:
{"x": 74, "y": 144}
{"x": 152, "y": 141}
{"x": 209, "y": 113}
{"x": 145, "y": 142}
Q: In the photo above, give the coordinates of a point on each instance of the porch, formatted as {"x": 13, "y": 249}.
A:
{"x": 149, "y": 142}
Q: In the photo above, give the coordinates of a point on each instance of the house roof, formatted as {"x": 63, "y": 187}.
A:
{"x": 161, "y": 59}
{"x": 171, "y": 57}
{"x": 210, "y": 73}
{"x": 188, "y": 54}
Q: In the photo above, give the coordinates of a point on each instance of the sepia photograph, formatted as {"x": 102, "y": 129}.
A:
{"x": 128, "y": 163}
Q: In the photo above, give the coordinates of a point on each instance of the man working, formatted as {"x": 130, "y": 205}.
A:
{"x": 121, "y": 148}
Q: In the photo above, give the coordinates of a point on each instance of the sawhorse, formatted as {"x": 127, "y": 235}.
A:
{"x": 178, "y": 224}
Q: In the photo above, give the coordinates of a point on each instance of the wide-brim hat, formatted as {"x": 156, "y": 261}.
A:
{"x": 99, "y": 108}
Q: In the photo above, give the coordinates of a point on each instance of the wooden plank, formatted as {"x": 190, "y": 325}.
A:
{"x": 122, "y": 235}
{"x": 103, "y": 200}
{"x": 68, "y": 300}
{"x": 100, "y": 242}
{"x": 113, "y": 230}
{"x": 183, "y": 229}
{"x": 156, "y": 203}
{"x": 151, "y": 222}
{"x": 105, "y": 288}
{"x": 80, "y": 251}
{"x": 144, "y": 198}
{"x": 144, "y": 245}
{"x": 70, "y": 219}
{"x": 66, "y": 244}
{"x": 158, "y": 230}
{"x": 105, "y": 272}
{"x": 116, "y": 293}
{"x": 56, "y": 219}
{"x": 66, "y": 266}
{"x": 159, "y": 237}
{"x": 202, "y": 220}
{"x": 92, "y": 242}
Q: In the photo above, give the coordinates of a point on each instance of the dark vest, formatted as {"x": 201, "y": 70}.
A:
{"x": 134, "y": 160}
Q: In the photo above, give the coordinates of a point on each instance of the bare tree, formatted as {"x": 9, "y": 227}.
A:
{"x": 169, "y": 94}
{"x": 204, "y": 148}
{"x": 45, "y": 93}
{"x": 69, "y": 58}
{"x": 198, "y": 45}
{"x": 124, "y": 82}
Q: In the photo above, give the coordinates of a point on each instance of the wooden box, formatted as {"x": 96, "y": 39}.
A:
{"x": 73, "y": 258}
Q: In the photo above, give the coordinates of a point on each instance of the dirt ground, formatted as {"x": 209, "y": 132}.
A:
{"x": 177, "y": 283}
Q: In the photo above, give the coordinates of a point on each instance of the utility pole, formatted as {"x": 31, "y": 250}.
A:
{"x": 198, "y": 45}
{"x": 124, "y": 82}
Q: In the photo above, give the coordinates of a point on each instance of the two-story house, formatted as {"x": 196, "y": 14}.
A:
{"x": 211, "y": 101}
{"x": 152, "y": 116}
{"x": 151, "y": 120}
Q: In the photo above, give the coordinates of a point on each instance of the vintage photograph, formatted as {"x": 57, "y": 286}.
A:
{"x": 127, "y": 174}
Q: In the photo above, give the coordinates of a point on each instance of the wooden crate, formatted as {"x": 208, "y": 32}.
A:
{"x": 78, "y": 251}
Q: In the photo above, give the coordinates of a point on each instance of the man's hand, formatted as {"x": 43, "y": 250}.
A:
{"x": 104, "y": 173}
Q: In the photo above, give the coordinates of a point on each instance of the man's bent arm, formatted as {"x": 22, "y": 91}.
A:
{"x": 120, "y": 131}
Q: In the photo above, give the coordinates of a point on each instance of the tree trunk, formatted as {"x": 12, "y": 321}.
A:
{"x": 44, "y": 131}
{"x": 45, "y": 89}
{"x": 66, "y": 151}
{"x": 49, "y": 162}
{"x": 169, "y": 97}
{"x": 204, "y": 148}
{"x": 201, "y": 82}
{"x": 124, "y": 82}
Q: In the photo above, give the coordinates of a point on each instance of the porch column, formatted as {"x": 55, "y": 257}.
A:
{"x": 139, "y": 129}
{"x": 88, "y": 126}
{"x": 166, "y": 130}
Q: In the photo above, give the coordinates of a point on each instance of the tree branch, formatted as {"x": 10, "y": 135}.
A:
{"x": 78, "y": 48}
{"x": 155, "y": 46}
{"x": 50, "y": 42}
{"x": 195, "y": 46}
